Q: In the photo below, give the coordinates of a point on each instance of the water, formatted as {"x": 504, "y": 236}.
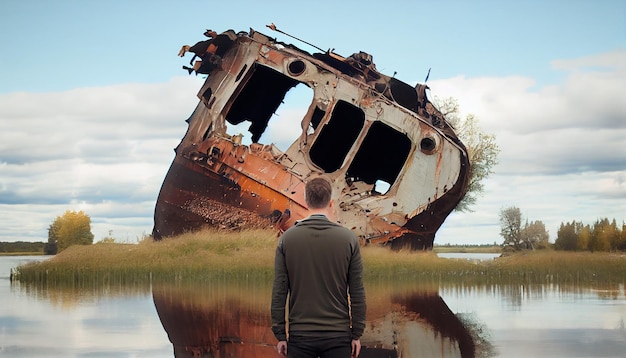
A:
{"x": 468, "y": 256}
{"x": 232, "y": 320}
{"x": 52, "y": 323}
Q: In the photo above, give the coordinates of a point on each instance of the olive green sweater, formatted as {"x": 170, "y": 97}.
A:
{"x": 318, "y": 266}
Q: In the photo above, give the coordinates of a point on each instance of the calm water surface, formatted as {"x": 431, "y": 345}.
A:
{"x": 232, "y": 320}
{"x": 473, "y": 256}
{"x": 52, "y": 323}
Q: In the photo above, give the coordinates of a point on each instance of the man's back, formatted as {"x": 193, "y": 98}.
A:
{"x": 320, "y": 256}
{"x": 318, "y": 266}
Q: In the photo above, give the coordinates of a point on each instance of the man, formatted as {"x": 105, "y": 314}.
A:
{"x": 318, "y": 265}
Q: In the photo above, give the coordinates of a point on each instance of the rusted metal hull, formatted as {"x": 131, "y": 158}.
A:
{"x": 363, "y": 130}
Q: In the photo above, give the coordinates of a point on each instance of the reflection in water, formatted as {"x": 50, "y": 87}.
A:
{"x": 233, "y": 320}
{"x": 421, "y": 324}
{"x": 88, "y": 318}
{"x": 216, "y": 320}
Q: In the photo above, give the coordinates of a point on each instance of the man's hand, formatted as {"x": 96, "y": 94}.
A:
{"x": 281, "y": 347}
{"x": 356, "y": 348}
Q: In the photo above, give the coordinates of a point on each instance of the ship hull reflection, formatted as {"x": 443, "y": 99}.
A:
{"x": 233, "y": 320}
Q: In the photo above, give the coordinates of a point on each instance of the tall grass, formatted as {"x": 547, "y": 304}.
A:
{"x": 249, "y": 255}
{"x": 561, "y": 267}
{"x": 200, "y": 256}
{"x": 537, "y": 267}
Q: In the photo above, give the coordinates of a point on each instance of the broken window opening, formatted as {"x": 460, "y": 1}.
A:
{"x": 259, "y": 100}
{"x": 337, "y": 136}
{"x": 286, "y": 125}
{"x": 380, "y": 157}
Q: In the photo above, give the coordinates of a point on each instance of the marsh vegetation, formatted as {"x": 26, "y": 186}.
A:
{"x": 249, "y": 255}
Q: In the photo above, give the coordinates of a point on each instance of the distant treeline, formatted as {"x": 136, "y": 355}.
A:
{"x": 603, "y": 235}
{"x": 21, "y": 246}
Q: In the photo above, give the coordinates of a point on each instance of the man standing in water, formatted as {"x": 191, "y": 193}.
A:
{"x": 318, "y": 265}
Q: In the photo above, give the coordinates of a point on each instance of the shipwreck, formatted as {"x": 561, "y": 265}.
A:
{"x": 397, "y": 167}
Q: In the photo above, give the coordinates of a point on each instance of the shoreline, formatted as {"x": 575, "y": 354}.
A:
{"x": 249, "y": 255}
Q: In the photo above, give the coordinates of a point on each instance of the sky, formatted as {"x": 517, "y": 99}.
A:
{"x": 93, "y": 99}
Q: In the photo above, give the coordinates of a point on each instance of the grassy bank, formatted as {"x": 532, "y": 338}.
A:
{"x": 200, "y": 256}
{"x": 209, "y": 256}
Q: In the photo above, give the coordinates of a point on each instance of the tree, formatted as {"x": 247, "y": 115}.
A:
{"x": 535, "y": 236}
{"x": 601, "y": 236}
{"x": 621, "y": 245}
{"x": 510, "y": 227}
{"x": 614, "y": 236}
{"x": 481, "y": 148}
{"x": 567, "y": 236}
{"x": 21, "y": 247}
{"x": 72, "y": 228}
{"x": 584, "y": 237}
{"x": 51, "y": 247}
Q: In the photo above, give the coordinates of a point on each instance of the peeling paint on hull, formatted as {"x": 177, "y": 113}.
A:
{"x": 397, "y": 167}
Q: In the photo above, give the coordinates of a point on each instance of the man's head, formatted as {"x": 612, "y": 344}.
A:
{"x": 317, "y": 193}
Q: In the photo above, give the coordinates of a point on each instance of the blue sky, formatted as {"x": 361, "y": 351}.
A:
{"x": 60, "y": 45}
{"x": 93, "y": 98}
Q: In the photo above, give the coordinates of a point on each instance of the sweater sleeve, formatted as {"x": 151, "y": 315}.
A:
{"x": 280, "y": 290}
{"x": 357, "y": 292}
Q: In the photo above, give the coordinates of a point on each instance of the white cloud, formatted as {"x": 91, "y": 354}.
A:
{"x": 588, "y": 98}
{"x": 89, "y": 149}
{"x": 563, "y": 146}
{"x": 608, "y": 61}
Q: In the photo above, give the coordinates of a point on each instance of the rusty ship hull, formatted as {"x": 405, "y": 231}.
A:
{"x": 397, "y": 167}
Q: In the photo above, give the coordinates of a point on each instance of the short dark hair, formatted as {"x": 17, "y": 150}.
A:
{"x": 317, "y": 193}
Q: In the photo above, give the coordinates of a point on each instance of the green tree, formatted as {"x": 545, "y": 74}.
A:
{"x": 510, "y": 227}
{"x": 566, "y": 237}
{"x": 614, "y": 236}
{"x": 481, "y": 148}
{"x": 51, "y": 247}
{"x": 71, "y": 228}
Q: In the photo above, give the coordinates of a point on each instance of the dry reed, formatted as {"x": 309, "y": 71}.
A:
{"x": 248, "y": 255}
